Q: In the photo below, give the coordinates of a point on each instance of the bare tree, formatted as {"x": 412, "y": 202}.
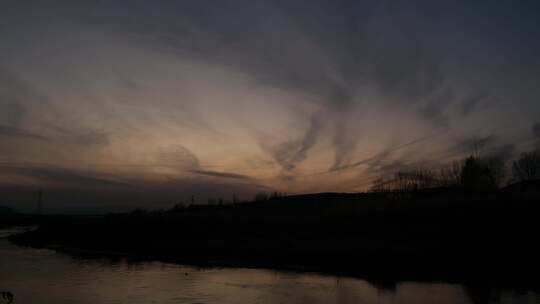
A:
{"x": 482, "y": 173}
{"x": 261, "y": 197}
{"x": 381, "y": 184}
{"x": 405, "y": 181}
{"x": 496, "y": 170}
{"x": 415, "y": 179}
{"x": 527, "y": 166}
{"x": 450, "y": 176}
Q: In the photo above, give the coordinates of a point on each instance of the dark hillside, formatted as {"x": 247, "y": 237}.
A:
{"x": 425, "y": 235}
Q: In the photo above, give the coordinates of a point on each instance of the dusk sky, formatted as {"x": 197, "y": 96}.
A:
{"x": 146, "y": 103}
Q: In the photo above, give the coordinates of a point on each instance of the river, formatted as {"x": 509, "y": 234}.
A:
{"x": 37, "y": 276}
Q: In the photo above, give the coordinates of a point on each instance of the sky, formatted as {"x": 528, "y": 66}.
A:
{"x": 122, "y": 104}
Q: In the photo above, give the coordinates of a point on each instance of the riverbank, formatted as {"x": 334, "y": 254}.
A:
{"x": 49, "y": 277}
{"x": 480, "y": 240}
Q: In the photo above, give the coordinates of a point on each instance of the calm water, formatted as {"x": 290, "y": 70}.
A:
{"x": 44, "y": 276}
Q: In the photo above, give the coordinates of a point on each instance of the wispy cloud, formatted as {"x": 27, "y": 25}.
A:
{"x": 377, "y": 158}
{"x": 180, "y": 157}
{"x": 222, "y": 174}
{"x": 70, "y": 177}
{"x": 291, "y": 153}
{"x": 17, "y": 133}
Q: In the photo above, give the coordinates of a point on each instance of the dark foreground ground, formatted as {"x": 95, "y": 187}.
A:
{"x": 489, "y": 239}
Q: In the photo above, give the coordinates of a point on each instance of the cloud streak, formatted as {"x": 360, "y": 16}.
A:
{"x": 291, "y": 153}
{"x": 13, "y": 132}
{"x": 180, "y": 157}
{"x": 70, "y": 177}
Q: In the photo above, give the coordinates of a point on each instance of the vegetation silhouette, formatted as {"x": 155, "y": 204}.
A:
{"x": 527, "y": 167}
{"x": 7, "y": 297}
{"x": 456, "y": 224}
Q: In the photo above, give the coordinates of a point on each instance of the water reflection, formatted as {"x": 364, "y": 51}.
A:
{"x": 43, "y": 276}
{"x": 5, "y": 232}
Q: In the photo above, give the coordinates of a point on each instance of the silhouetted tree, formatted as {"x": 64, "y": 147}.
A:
{"x": 178, "y": 207}
{"x": 527, "y": 166}
{"x": 261, "y": 197}
{"x": 481, "y": 174}
{"x": 496, "y": 170}
{"x": 275, "y": 195}
{"x": 451, "y": 175}
{"x": 380, "y": 184}
{"x": 414, "y": 179}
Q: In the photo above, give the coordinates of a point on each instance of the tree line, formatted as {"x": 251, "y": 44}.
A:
{"x": 474, "y": 173}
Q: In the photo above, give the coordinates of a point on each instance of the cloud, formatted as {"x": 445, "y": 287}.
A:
{"x": 70, "y": 177}
{"x": 436, "y": 107}
{"x": 180, "y": 157}
{"x": 308, "y": 141}
{"x": 470, "y": 103}
{"x": 17, "y": 133}
{"x": 291, "y": 153}
{"x": 16, "y": 95}
{"x": 475, "y": 144}
{"x": 221, "y": 174}
{"x": 80, "y": 136}
{"x": 11, "y": 112}
{"x": 377, "y": 159}
{"x": 344, "y": 142}
{"x": 477, "y": 102}
{"x": 328, "y": 58}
